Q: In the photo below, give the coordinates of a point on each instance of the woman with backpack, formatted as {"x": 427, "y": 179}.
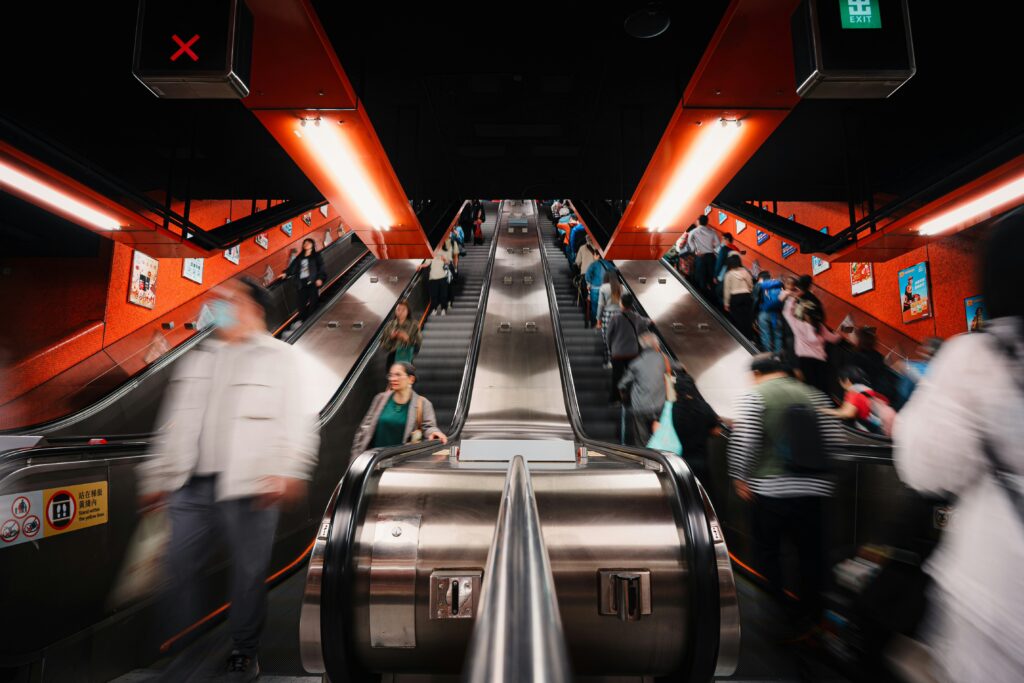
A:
{"x": 810, "y": 335}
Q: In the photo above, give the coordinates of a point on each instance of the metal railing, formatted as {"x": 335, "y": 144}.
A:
{"x": 518, "y": 635}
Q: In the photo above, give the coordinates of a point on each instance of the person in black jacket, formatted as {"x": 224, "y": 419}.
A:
{"x": 694, "y": 421}
{"x": 307, "y": 269}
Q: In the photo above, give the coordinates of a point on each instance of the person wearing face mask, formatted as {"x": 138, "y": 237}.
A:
{"x": 238, "y": 442}
{"x": 308, "y": 272}
{"x": 398, "y": 415}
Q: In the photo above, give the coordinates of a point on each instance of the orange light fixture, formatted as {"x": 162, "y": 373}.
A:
{"x": 978, "y": 209}
{"x": 38, "y": 192}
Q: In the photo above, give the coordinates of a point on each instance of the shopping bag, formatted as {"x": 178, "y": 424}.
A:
{"x": 142, "y": 572}
{"x": 666, "y": 439}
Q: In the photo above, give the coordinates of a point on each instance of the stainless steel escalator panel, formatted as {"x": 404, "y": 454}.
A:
{"x": 517, "y": 388}
{"x": 717, "y": 361}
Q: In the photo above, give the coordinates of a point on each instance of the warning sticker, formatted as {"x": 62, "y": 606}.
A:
{"x": 32, "y": 515}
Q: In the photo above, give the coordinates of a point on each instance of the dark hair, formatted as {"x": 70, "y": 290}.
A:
{"x": 764, "y": 275}
{"x": 257, "y": 293}
{"x": 854, "y": 374}
{"x": 311, "y": 241}
{"x": 627, "y": 300}
{"x": 1000, "y": 264}
{"x": 804, "y": 282}
{"x": 702, "y": 219}
{"x": 727, "y": 237}
{"x": 409, "y": 368}
{"x": 867, "y": 337}
{"x": 404, "y": 302}
{"x": 733, "y": 261}
{"x": 693, "y": 226}
{"x": 767, "y": 363}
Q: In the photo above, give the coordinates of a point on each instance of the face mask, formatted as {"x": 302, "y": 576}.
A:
{"x": 224, "y": 313}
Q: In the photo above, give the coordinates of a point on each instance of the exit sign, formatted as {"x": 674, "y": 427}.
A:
{"x": 860, "y": 14}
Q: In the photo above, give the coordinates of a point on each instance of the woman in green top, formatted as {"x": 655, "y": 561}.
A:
{"x": 398, "y": 415}
{"x": 402, "y": 336}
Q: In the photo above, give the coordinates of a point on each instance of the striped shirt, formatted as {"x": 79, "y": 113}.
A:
{"x": 745, "y": 445}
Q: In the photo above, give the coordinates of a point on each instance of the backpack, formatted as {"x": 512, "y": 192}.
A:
{"x": 801, "y": 445}
{"x": 770, "y": 291}
{"x": 882, "y": 415}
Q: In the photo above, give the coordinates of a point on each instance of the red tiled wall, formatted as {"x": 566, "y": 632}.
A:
{"x": 951, "y": 270}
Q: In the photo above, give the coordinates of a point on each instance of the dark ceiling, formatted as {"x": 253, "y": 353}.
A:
{"x": 512, "y": 101}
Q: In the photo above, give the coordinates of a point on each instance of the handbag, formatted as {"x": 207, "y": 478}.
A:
{"x": 666, "y": 439}
{"x": 417, "y": 434}
{"x": 142, "y": 574}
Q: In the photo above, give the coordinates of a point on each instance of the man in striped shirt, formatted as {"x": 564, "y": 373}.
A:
{"x": 784, "y": 502}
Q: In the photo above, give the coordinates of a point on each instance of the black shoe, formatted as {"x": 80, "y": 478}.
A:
{"x": 242, "y": 667}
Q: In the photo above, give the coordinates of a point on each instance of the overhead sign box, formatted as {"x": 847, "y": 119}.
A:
{"x": 194, "y": 49}
{"x": 852, "y": 49}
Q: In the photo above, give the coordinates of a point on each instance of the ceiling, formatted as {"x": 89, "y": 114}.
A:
{"x": 514, "y": 101}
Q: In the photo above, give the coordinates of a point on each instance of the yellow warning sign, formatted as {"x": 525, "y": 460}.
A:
{"x": 69, "y": 508}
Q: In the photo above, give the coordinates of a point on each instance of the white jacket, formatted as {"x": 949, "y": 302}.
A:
{"x": 969, "y": 392}
{"x": 272, "y": 429}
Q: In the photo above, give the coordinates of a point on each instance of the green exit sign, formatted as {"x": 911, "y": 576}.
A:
{"x": 860, "y": 13}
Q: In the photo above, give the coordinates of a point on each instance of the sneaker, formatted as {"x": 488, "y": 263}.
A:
{"x": 242, "y": 667}
{"x": 434, "y": 312}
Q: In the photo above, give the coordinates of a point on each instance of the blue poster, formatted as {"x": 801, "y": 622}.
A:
{"x": 787, "y": 249}
{"x": 974, "y": 306}
{"x": 762, "y": 236}
{"x": 914, "y": 292}
{"x": 818, "y": 265}
{"x": 792, "y": 216}
{"x": 722, "y": 216}
{"x": 286, "y": 228}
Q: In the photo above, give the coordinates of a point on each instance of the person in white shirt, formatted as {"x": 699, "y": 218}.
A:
{"x": 704, "y": 242}
{"x": 961, "y": 435}
{"x": 238, "y": 442}
{"x": 437, "y": 279}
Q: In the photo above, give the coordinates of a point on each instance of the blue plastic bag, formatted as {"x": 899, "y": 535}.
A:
{"x": 666, "y": 439}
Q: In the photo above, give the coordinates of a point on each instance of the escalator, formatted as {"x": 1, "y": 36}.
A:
{"x": 523, "y": 550}
{"x": 96, "y": 641}
{"x": 129, "y": 409}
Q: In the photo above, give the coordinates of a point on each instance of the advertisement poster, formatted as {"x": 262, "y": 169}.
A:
{"x": 819, "y": 266}
{"x": 286, "y": 228}
{"x": 233, "y": 254}
{"x": 914, "y": 292}
{"x": 328, "y": 237}
{"x": 192, "y": 269}
{"x": 740, "y": 226}
{"x": 142, "y": 288}
{"x": 722, "y": 217}
{"x": 323, "y": 210}
{"x": 862, "y": 278}
{"x": 262, "y": 240}
{"x": 307, "y": 218}
{"x": 762, "y": 236}
{"x": 974, "y": 307}
{"x": 787, "y": 249}
{"x": 707, "y": 209}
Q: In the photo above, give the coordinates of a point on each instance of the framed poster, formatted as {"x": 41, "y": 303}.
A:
{"x": 862, "y": 278}
{"x": 914, "y": 292}
{"x": 192, "y": 269}
{"x": 740, "y": 226}
{"x": 707, "y": 209}
{"x": 142, "y": 287}
{"x": 762, "y": 236}
{"x": 722, "y": 217}
{"x": 787, "y": 249}
{"x": 819, "y": 266}
{"x": 792, "y": 217}
{"x": 262, "y": 240}
{"x": 286, "y": 228}
{"x": 233, "y": 254}
{"x": 323, "y": 210}
{"x": 328, "y": 237}
{"x": 974, "y": 307}
{"x": 307, "y": 218}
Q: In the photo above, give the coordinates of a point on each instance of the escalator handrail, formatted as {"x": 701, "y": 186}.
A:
{"x": 517, "y": 634}
{"x": 872, "y": 445}
{"x": 704, "y": 618}
{"x": 152, "y": 369}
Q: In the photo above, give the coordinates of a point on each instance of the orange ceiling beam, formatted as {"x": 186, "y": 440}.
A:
{"x": 296, "y": 78}
{"x": 30, "y": 179}
{"x": 989, "y": 195}
{"x": 745, "y": 76}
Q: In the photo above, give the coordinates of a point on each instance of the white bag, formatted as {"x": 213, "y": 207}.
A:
{"x": 142, "y": 573}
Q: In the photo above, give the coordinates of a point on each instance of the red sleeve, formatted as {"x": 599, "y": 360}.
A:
{"x": 859, "y": 401}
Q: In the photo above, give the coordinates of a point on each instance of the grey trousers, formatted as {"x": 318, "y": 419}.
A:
{"x": 198, "y": 522}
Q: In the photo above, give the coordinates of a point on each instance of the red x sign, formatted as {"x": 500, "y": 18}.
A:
{"x": 185, "y": 48}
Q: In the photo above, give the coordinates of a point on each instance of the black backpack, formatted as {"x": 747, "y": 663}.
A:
{"x": 801, "y": 445}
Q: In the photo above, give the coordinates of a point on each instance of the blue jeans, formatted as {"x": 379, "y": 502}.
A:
{"x": 198, "y": 523}
{"x": 770, "y": 323}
